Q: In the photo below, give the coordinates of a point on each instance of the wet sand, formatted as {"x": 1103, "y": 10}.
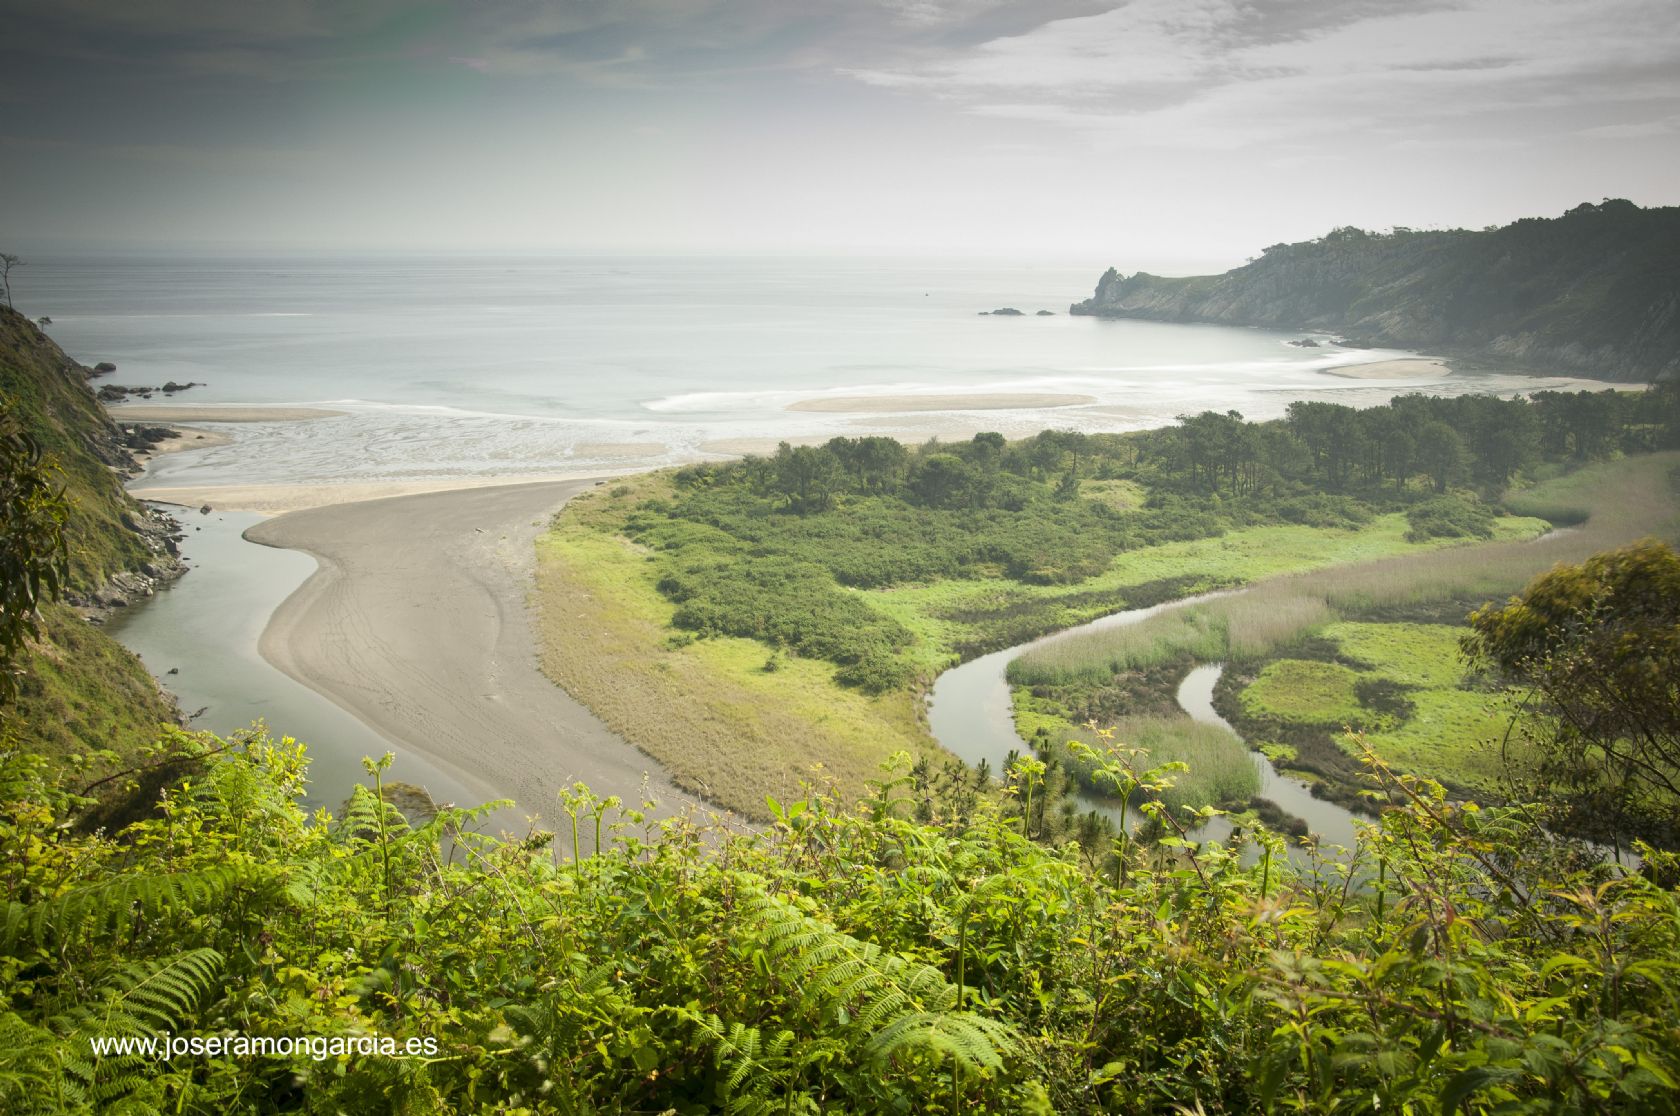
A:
{"x": 279, "y": 499}
{"x": 141, "y": 412}
{"x": 418, "y": 623}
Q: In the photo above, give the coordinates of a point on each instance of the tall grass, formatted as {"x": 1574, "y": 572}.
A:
{"x": 1220, "y": 767}
{"x": 1615, "y": 503}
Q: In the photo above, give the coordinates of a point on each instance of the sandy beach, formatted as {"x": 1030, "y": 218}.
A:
{"x": 191, "y": 438}
{"x": 417, "y": 623}
{"x": 897, "y": 404}
{"x": 279, "y": 499}
{"x": 140, "y": 412}
{"x": 1412, "y": 368}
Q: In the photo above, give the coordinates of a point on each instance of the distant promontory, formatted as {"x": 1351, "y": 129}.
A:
{"x": 1595, "y": 292}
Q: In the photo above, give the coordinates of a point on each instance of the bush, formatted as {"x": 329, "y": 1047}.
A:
{"x": 1456, "y": 515}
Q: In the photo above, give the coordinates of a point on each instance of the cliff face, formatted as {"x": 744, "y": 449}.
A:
{"x": 118, "y": 549}
{"x": 1595, "y": 292}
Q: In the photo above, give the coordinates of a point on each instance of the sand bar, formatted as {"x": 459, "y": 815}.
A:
{"x": 1412, "y": 368}
{"x": 136, "y": 412}
{"x": 897, "y": 404}
{"x": 278, "y": 499}
{"x": 418, "y": 623}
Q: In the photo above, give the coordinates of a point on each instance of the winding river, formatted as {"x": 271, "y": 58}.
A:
{"x": 971, "y": 715}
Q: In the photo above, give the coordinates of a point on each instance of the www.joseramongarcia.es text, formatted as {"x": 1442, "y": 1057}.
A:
{"x": 164, "y": 1047}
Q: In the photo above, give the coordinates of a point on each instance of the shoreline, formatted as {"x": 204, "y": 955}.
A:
{"x": 283, "y": 499}
{"x": 432, "y": 645}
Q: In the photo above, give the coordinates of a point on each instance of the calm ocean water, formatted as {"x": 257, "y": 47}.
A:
{"x": 451, "y": 367}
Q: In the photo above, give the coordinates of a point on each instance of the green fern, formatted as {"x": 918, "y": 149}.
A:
{"x": 111, "y": 902}
{"x": 897, "y": 1004}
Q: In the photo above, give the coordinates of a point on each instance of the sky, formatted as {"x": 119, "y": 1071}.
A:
{"x": 1177, "y": 135}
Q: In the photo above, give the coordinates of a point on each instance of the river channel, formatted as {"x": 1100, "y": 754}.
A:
{"x": 971, "y": 715}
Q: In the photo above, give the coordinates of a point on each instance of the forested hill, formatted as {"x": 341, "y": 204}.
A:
{"x": 1593, "y": 292}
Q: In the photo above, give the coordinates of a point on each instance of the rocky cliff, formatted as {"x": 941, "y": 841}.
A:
{"x": 1595, "y": 292}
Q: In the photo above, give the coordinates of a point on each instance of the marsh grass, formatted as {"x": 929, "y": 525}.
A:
{"x": 1628, "y": 499}
{"x": 1220, "y": 770}
{"x": 720, "y": 725}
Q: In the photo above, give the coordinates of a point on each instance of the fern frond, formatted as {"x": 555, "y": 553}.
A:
{"x": 974, "y": 1040}
{"x": 115, "y": 900}
{"x": 30, "y": 1075}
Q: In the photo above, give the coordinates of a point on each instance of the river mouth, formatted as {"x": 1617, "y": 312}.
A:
{"x": 199, "y": 636}
{"x": 971, "y": 715}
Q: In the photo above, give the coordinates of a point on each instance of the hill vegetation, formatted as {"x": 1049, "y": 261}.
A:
{"x": 81, "y": 697}
{"x": 1595, "y": 292}
{"x": 846, "y": 959}
{"x": 737, "y": 619}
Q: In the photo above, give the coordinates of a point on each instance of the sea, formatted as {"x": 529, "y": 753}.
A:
{"x": 462, "y": 367}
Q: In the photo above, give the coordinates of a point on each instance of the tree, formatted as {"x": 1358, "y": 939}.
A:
{"x": 7, "y": 262}
{"x": 1598, "y": 645}
{"x": 1440, "y": 453}
{"x": 33, "y": 554}
{"x": 806, "y": 476}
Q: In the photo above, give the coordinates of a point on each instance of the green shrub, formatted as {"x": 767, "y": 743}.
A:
{"x": 1456, "y": 515}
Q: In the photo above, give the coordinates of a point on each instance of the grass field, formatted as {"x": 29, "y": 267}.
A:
{"x": 1219, "y": 768}
{"x": 708, "y": 710}
{"x": 1628, "y": 499}
{"x": 726, "y": 727}
{"x": 1430, "y": 724}
{"x": 733, "y": 720}
{"x": 1308, "y": 692}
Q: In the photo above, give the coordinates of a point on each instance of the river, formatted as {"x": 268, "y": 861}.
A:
{"x": 971, "y": 715}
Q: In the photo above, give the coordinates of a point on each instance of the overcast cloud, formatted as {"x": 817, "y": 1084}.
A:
{"x": 1160, "y": 132}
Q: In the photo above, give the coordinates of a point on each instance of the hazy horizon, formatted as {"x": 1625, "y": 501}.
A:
{"x": 1170, "y": 135}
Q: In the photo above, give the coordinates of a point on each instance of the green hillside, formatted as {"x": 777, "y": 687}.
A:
{"x": 80, "y": 690}
{"x": 1594, "y": 292}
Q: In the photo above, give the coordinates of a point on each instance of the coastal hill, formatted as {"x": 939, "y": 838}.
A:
{"x": 80, "y": 690}
{"x": 1593, "y": 292}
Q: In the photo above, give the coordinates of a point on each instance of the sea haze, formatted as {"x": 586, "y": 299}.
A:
{"x": 469, "y": 366}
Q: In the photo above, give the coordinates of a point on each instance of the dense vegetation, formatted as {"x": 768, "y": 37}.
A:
{"x": 845, "y": 960}
{"x": 1591, "y": 292}
{"x": 1447, "y": 462}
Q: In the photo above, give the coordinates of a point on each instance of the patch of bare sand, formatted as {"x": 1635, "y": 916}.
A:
{"x": 278, "y": 499}
{"x": 191, "y": 438}
{"x": 137, "y": 412}
{"x": 1412, "y": 368}
{"x": 417, "y": 622}
{"x": 899, "y": 404}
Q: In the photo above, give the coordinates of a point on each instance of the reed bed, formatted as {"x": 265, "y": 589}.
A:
{"x": 1629, "y": 499}
{"x": 1220, "y": 767}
